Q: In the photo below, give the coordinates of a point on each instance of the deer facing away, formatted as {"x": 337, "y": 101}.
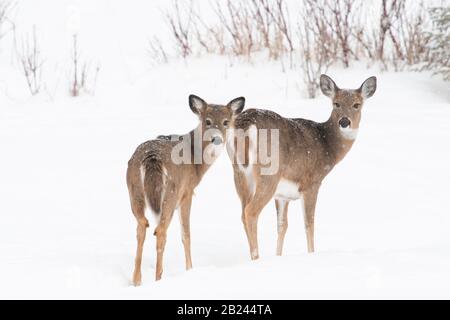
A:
{"x": 158, "y": 183}
{"x": 307, "y": 152}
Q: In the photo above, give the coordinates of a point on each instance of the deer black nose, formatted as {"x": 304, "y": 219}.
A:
{"x": 344, "y": 122}
{"x": 216, "y": 140}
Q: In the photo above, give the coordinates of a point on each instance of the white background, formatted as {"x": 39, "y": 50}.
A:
{"x": 66, "y": 229}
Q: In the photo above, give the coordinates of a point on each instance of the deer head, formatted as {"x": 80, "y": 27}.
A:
{"x": 347, "y": 103}
{"x": 215, "y": 120}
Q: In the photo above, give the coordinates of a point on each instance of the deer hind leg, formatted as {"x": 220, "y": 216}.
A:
{"x": 309, "y": 203}
{"x": 252, "y": 211}
{"x": 282, "y": 225}
{"x": 168, "y": 208}
{"x": 244, "y": 202}
{"x": 185, "y": 211}
{"x": 244, "y": 194}
{"x": 142, "y": 225}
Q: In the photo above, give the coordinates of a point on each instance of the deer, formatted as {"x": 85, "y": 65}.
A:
{"x": 159, "y": 181}
{"x": 307, "y": 152}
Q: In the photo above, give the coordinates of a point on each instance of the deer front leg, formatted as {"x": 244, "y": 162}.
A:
{"x": 309, "y": 203}
{"x": 185, "y": 211}
{"x": 282, "y": 223}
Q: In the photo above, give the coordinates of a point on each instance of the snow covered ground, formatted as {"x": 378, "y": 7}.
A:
{"x": 66, "y": 229}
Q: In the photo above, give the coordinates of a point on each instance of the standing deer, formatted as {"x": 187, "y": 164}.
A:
{"x": 307, "y": 152}
{"x": 158, "y": 181}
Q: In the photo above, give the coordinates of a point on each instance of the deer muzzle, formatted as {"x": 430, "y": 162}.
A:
{"x": 217, "y": 140}
{"x": 344, "y": 122}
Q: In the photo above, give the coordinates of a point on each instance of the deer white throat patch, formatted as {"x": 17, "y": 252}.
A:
{"x": 287, "y": 190}
{"x": 348, "y": 133}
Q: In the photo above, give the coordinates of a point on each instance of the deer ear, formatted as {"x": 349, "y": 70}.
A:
{"x": 327, "y": 86}
{"x": 368, "y": 87}
{"x": 237, "y": 105}
{"x": 196, "y": 104}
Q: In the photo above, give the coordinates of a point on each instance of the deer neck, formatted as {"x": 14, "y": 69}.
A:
{"x": 339, "y": 141}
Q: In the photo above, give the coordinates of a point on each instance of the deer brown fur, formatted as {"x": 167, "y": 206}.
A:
{"x": 157, "y": 183}
{"x": 308, "y": 151}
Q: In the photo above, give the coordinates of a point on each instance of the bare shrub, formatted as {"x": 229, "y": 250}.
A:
{"x": 317, "y": 21}
{"x": 402, "y": 39}
{"x": 328, "y": 30}
{"x": 236, "y": 19}
{"x": 6, "y": 24}
{"x": 212, "y": 40}
{"x": 244, "y": 27}
{"x": 413, "y": 39}
{"x": 157, "y": 52}
{"x": 180, "y": 21}
{"x": 391, "y": 11}
{"x": 317, "y": 50}
{"x": 343, "y": 13}
{"x": 75, "y": 85}
{"x": 366, "y": 40}
{"x": 280, "y": 15}
{"x": 261, "y": 13}
{"x": 84, "y": 74}
{"x": 29, "y": 55}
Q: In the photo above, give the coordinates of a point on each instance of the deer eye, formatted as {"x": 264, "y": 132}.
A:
{"x": 226, "y": 123}
{"x": 208, "y": 122}
{"x": 336, "y": 105}
{"x": 356, "y": 106}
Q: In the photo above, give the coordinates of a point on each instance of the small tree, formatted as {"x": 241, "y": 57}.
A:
{"x": 438, "y": 58}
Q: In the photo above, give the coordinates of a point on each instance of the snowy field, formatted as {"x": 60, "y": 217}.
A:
{"x": 66, "y": 228}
